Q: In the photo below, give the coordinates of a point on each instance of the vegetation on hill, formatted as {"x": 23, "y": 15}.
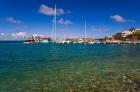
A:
{"x": 135, "y": 36}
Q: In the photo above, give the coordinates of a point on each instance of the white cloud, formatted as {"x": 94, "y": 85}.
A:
{"x": 120, "y": 19}
{"x": 35, "y": 35}
{"x": 2, "y": 34}
{"x": 13, "y": 20}
{"x": 19, "y": 34}
{"x": 65, "y": 22}
{"x": 46, "y": 10}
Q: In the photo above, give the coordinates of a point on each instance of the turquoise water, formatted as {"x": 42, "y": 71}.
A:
{"x": 69, "y": 67}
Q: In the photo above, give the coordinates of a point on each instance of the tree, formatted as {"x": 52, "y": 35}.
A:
{"x": 134, "y": 36}
{"x": 118, "y": 36}
{"x": 132, "y": 29}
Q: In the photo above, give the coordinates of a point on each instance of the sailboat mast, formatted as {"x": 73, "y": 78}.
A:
{"x": 85, "y": 30}
{"x": 55, "y": 23}
{"x": 53, "y": 30}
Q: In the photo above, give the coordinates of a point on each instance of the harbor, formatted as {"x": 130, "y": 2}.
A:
{"x": 69, "y": 46}
{"x": 131, "y": 36}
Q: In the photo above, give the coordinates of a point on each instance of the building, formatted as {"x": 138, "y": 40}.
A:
{"x": 45, "y": 39}
{"x": 129, "y": 32}
{"x": 137, "y": 30}
{"x": 126, "y": 33}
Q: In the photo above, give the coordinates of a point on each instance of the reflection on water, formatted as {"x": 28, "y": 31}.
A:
{"x": 69, "y": 68}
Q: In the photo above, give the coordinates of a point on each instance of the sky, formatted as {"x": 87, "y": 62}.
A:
{"x": 23, "y": 18}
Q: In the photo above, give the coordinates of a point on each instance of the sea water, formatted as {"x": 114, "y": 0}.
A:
{"x": 69, "y": 67}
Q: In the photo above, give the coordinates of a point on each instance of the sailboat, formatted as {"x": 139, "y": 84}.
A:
{"x": 92, "y": 42}
{"x": 85, "y": 39}
{"x": 53, "y": 38}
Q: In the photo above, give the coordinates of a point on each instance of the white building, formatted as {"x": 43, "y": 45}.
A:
{"x": 125, "y": 33}
{"x": 137, "y": 30}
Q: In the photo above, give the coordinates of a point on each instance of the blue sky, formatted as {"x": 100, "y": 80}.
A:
{"x": 104, "y": 17}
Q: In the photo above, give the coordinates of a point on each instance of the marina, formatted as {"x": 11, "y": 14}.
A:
{"x": 69, "y": 46}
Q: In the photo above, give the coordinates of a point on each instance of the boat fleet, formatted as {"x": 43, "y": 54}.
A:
{"x": 85, "y": 40}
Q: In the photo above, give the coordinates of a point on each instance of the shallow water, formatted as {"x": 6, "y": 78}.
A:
{"x": 68, "y": 67}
